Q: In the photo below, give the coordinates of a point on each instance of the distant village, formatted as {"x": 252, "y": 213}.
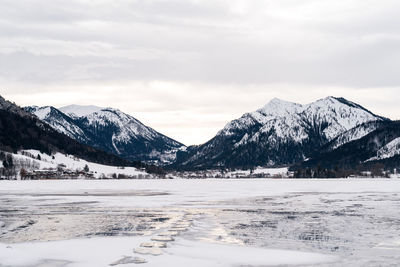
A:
{"x": 227, "y": 174}
{"x": 47, "y": 174}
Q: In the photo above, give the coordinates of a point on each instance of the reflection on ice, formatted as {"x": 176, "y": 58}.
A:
{"x": 199, "y": 223}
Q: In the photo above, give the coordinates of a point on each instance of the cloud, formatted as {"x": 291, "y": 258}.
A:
{"x": 193, "y": 64}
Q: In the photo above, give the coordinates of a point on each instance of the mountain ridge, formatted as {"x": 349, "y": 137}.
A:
{"x": 278, "y": 134}
{"x": 19, "y": 130}
{"x": 110, "y": 130}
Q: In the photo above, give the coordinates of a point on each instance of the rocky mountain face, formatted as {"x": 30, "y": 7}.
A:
{"x": 281, "y": 133}
{"x": 381, "y": 146}
{"x": 353, "y": 134}
{"x": 110, "y": 130}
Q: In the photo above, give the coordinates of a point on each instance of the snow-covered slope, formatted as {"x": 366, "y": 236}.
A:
{"x": 354, "y": 134}
{"x": 28, "y": 159}
{"x": 110, "y": 130}
{"x": 280, "y": 133}
{"x": 379, "y": 149}
{"x": 389, "y": 150}
{"x": 59, "y": 121}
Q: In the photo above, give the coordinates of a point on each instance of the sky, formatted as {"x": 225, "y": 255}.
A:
{"x": 187, "y": 67}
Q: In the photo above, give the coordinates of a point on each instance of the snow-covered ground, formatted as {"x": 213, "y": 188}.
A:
{"x": 72, "y": 163}
{"x": 251, "y": 222}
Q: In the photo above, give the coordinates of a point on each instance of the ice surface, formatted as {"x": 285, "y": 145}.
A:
{"x": 99, "y": 252}
{"x": 250, "y": 222}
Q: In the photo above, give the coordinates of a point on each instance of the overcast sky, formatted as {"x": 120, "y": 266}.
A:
{"x": 187, "y": 67}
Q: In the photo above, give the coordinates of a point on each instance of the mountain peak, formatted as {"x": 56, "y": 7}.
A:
{"x": 279, "y": 107}
{"x": 40, "y": 112}
{"x": 342, "y": 101}
{"x": 80, "y": 110}
{"x": 326, "y": 100}
{"x": 278, "y": 101}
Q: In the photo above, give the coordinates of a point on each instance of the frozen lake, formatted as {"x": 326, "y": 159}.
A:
{"x": 258, "y": 222}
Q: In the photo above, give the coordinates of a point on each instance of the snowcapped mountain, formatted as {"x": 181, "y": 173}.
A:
{"x": 110, "y": 130}
{"x": 280, "y": 133}
{"x": 20, "y": 130}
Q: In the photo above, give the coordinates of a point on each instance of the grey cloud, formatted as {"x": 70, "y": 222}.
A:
{"x": 216, "y": 56}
